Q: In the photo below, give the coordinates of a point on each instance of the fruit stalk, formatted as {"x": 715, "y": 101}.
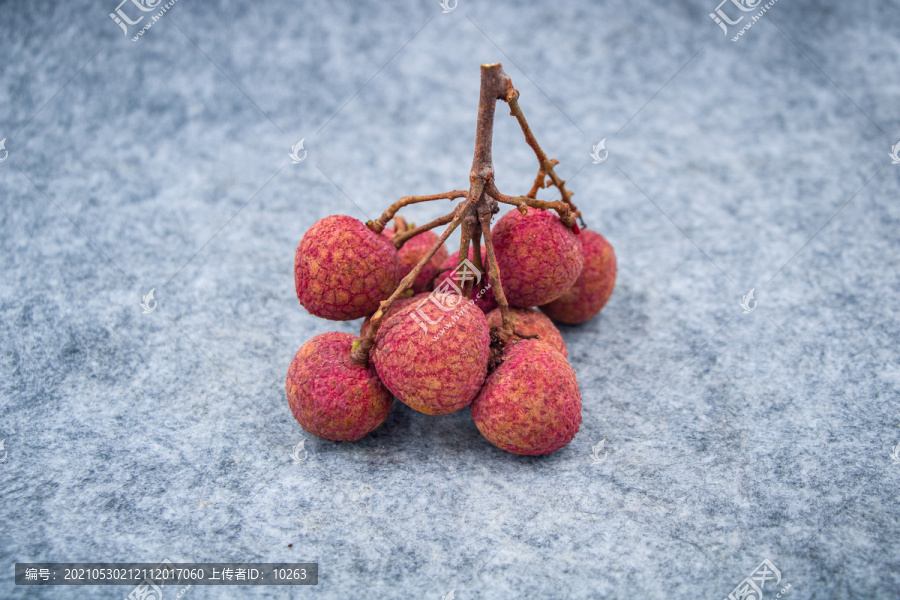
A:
{"x": 381, "y": 222}
{"x": 546, "y": 164}
{"x": 360, "y": 352}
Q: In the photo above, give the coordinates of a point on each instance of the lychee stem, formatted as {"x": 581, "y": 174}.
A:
{"x": 565, "y": 211}
{"x": 540, "y": 181}
{"x": 479, "y": 207}
{"x": 360, "y": 354}
{"x": 400, "y": 224}
{"x": 401, "y": 238}
{"x": 381, "y": 222}
{"x": 494, "y": 273}
{"x": 546, "y": 164}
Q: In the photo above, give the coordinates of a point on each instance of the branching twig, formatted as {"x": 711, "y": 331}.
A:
{"x": 381, "y": 222}
{"x": 494, "y": 273}
{"x": 521, "y": 202}
{"x": 401, "y": 238}
{"x": 360, "y": 352}
{"x": 546, "y": 164}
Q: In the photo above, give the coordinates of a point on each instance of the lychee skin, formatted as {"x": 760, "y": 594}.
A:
{"x": 415, "y": 250}
{"x": 433, "y": 355}
{"x": 330, "y": 395}
{"x": 530, "y": 404}
{"x": 593, "y": 287}
{"x": 342, "y": 270}
{"x": 539, "y": 257}
{"x": 483, "y": 298}
{"x": 529, "y": 321}
{"x": 398, "y": 304}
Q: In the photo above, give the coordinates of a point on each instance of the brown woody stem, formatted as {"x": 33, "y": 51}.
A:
{"x": 546, "y": 164}
{"x": 401, "y": 238}
{"x": 563, "y": 209}
{"x": 476, "y": 212}
{"x": 494, "y": 273}
{"x": 381, "y": 222}
{"x": 360, "y": 353}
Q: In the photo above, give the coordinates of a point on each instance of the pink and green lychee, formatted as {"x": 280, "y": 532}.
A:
{"x": 415, "y": 250}
{"x": 539, "y": 258}
{"x": 482, "y": 294}
{"x": 530, "y": 404}
{"x": 530, "y": 321}
{"x": 330, "y": 395}
{"x": 593, "y": 287}
{"x": 342, "y": 270}
{"x": 433, "y": 354}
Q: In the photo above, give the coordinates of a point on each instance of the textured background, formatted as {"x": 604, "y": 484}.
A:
{"x": 731, "y": 437}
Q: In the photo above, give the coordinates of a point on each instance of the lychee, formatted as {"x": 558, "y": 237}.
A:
{"x": 593, "y": 287}
{"x": 398, "y": 304}
{"x": 530, "y": 404}
{"x": 539, "y": 257}
{"x": 530, "y": 321}
{"x": 415, "y": 250}
{"x": 482, "y": 294}
{"x": 342, "y": 270}
{"x": 433, "y": 354}
{"x": 330, "y": 395}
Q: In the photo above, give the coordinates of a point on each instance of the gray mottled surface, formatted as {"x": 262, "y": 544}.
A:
{"x": 731, "y": 437}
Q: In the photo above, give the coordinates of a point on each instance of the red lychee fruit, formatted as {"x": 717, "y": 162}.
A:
{"x": 539, "y": 257}
{"x": 330, "y": 395}
{"x": 530, "y": 321}
{"x": 415, "y": 250}
{"x": 530, "y": 404}
{"x": 342, "y": 270}
{"x": 398, "y": 304}
{"x": 433, "y": 354}
{"x": 593, "y": 287}
{"x": 482, "y": 293}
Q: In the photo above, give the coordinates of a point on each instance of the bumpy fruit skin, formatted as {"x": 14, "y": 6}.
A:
{"x": 434, "y": 358}
{"x": 530, "y": 404}
{"x": 539, "y": 257}
{"x": 529, "y": 321}
{"x": 330, "y": 395}
{"x": 415, "y": 250}
{"x": 397, "y": 306}
{"x": 593, "y": 287}
{"x": 483, "y": 298}
{"x": 342, "y": 270}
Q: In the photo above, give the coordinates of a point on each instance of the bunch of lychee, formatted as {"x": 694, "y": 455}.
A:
{"x": 442, "y": 333}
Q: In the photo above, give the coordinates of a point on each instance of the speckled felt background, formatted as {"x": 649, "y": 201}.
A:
{"x": 728, "y": 438}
